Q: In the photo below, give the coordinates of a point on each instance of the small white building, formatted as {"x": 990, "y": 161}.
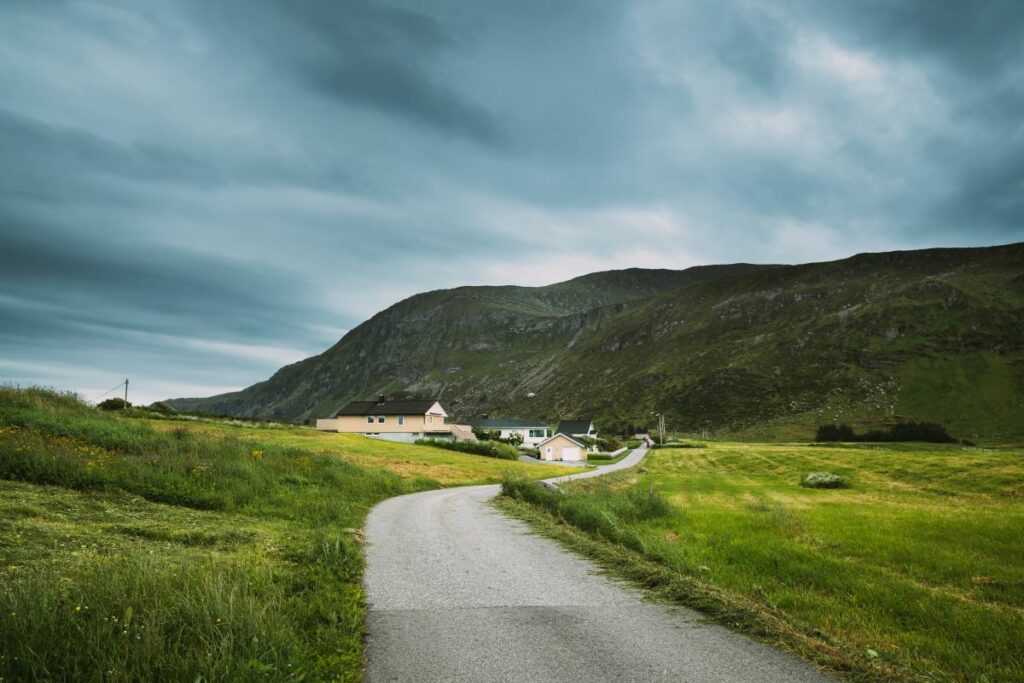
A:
{"x": 531, "y": 431}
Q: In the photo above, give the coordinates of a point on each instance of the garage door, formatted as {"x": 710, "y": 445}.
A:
{"x": 570, "y": 454}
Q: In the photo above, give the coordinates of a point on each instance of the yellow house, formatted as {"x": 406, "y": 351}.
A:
{"x": 404, "y": 421}
{"x": 562, "y": 447}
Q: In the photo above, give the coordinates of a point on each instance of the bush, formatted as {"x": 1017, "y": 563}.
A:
{"x": 823, "y": 480}
{"x": 489, "y": 449}
{"x": 114, "y": 404}
{"x": 832, "y": 432}
{"x": 162, "y": 408}
{"x": 608, "y": 443}
{"x": 929, "y": 432}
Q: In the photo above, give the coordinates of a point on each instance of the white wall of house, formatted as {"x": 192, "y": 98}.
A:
{"x": 531, "y": 437}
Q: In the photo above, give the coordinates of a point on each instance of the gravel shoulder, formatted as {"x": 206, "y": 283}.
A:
{"x": 458, "y": 592}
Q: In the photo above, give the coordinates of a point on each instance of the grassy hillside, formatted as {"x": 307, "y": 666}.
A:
{"x": 928, "y": 335}
{"x": 189, "y": 552}
{"x": 912, "y": 573}
{"x": 474, "y": 346}
{"x": 408, "y": 461}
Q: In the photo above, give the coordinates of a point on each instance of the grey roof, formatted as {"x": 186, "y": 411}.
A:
{"x": 502, "y": 423}
{"x": 387, "y": 408}
{"x": 578, "y": 426}
{"x": 567, "y": 436}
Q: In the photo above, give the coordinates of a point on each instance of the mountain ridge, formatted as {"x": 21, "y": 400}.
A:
{"x": 726, "y": 347}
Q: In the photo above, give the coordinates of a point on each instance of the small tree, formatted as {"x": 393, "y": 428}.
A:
{"x": 829, "y": 432}
{"x": 114, "y": 404}
{"x": 487, "y": 434}
{"x": 514, "y": 439}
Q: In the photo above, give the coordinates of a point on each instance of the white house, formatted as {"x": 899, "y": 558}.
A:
{"x": 532, "y": 431}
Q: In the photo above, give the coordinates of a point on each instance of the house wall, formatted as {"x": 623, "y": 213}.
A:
{"x": 357, "y": 424}
{"x": 556, "y": 445}
{"x": 525, "y": 433}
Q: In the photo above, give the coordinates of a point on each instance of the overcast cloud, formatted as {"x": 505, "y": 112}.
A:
{"x": 194, "y": 193}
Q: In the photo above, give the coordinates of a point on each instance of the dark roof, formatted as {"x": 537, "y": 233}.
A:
{"x": 578, "y": 426}
{"x": 571, "y": 438}
{"x": 386, "y": 408}
{"x": 502, "y": 423}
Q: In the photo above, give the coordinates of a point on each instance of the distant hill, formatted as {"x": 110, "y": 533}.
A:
{"x": 935, "y": 334}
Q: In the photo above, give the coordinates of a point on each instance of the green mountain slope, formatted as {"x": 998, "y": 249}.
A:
{"x": 934, "y": 334}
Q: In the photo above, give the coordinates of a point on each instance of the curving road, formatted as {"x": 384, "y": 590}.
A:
{"x": 458, "y": 592}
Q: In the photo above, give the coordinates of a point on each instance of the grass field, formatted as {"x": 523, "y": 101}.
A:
{"x": 189, "y": 552}
{"x": 916, "y": 572}
{"x": 409, "y": 461}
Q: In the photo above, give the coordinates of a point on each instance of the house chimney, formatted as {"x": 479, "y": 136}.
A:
{"x": 382, "y": 399}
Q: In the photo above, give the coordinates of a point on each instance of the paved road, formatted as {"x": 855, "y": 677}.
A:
{"x": 459, "y": 592}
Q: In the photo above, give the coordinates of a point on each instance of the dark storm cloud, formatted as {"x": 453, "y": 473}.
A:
{"x": 169, "y": 291}
{"x": 196, "y": 193}
{"x": 379, "y": 56}
{"x": 401, "y": 89}
{"x": 977, "y": 38}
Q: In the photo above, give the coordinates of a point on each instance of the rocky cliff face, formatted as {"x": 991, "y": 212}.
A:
{"x": 933, "y": 334}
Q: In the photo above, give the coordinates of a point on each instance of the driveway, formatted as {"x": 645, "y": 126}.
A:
{"x": 458, "y": 592}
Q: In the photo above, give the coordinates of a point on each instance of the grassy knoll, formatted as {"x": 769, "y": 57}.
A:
{"x": 410, "y": 461}
{"x": 913, "y": 573}
{"x": 130, "y": 553}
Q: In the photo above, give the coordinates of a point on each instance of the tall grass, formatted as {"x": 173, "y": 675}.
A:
{"x": 912, "y": 574}
{"x": 601, "y": 511}
{"x": 189, "y": 557}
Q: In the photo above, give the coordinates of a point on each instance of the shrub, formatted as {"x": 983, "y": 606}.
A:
{"x": 929, "y": 432}
{"x": 114, "y": 404}
{"x": 608, "y": 443}
{"x": 162, "y": 408}
{"x": 832, "y": 432}
{"x": 823, "y": 480}
{"x": 489, "y": 449}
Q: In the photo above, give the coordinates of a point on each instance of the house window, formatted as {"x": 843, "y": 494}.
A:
{"x": 380, "y": 419}
{"x": 401, "y": 420}
{"x": 537, "y": 433}
{"x": 369, "y": 419}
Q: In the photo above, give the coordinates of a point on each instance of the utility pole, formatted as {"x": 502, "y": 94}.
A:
{"x": 661, "y": 427}
{"x": 126, "y": 393}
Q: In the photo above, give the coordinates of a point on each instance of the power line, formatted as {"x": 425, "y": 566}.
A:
{"x": 110, "y": 391}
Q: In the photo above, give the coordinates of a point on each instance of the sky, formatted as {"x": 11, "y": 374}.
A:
{"x": 195, "y": 193}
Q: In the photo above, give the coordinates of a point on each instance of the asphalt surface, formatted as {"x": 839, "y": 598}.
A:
{"x": 458, "y": 592}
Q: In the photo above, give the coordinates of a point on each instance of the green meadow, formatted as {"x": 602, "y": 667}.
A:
{"x": 190, "y": 552}
{"x": 914, "y": 572}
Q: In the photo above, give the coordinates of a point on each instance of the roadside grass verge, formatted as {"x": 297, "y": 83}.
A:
{"x": 913, "y": 573}
{"x": 128, "y": 553}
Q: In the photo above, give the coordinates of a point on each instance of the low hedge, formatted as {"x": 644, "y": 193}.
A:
{"x": 489, "y": 449}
